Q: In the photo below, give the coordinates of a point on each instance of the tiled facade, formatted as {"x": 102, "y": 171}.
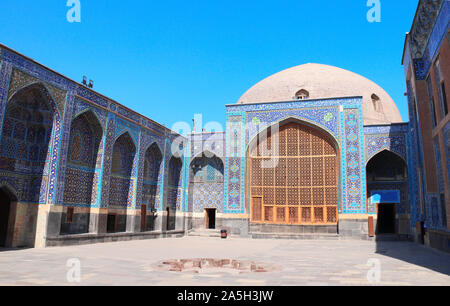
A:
{"x": 341, "y": 118}
{"x": 426, "y": 62}
{"x": 106, "y": 162}
{"x": 86, "y": 164}
{"x": 81, "y": 151}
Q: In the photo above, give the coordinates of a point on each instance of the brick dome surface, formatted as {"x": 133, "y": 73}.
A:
{"x": 323, "y": 81}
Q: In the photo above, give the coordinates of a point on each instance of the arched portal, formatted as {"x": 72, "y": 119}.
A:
{"x": 150, "y": 190}
{"x": 121, "y": 189}
{"x": 206, "y": 180}
{"x": 25, "y": 139}
{"x": 80, "y": 191}
{"x": 25, "y": 154}
{"x": 6, "y": 201}
{"x": 173, "y": 189}
{"x": 299, "y": 184}
{"x": 386, "y": 188}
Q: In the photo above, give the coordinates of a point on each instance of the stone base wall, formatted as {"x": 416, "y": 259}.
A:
{"x": 89, "y": 221}
{"x": 79, "y": 224}
{"x": 234, "y": 226}
{"x": 404, "y": 224}
{"x": 22, "y": 225}
{"x": 438, "y": 240}
{"x": 82, "y": 230}
{"x": 293, "y": 229}
{"x": 354, "y": 228}
{"x": 70, "y": 240}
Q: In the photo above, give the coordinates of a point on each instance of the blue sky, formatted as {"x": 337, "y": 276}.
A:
{"x": 170, "y": 59}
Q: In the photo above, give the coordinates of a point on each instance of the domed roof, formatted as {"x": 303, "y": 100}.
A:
{"x": 317, "y": 81}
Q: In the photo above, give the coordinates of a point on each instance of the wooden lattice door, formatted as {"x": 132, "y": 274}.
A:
{"x": 300, "y": 185}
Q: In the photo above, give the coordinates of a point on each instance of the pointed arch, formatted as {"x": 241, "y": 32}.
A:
{"x": 83, "y": 158}
{"x": 387, "y": 189}
{"x": 385, "y": 149}
{"x": 302, "y": 94}
{"x": 206, "y": 179}
{"x": 93, "y": 114}
{"x": 175, "y": 166}
{"x": 43, "y": 89}
{"x": 386, "y": 165}
{"x": 209, "y": 165}
{"x": 128, "y": 133}
{"x": 173, "y": 190}
{"x": 124, "y": 151}
{"x": 253, "y": 140}
{"x": 151, "y": 186}
{"x": 121, "y": 187}
{"x": 29, "y": 124}
{"x": 205, "y": 153}
{"x": 85, "y": 137}
{"x": 153, "y": 144}
{"x": 298, "y": 183}
{"x": 174, "y": 180}
{"x": 152, "y": 163}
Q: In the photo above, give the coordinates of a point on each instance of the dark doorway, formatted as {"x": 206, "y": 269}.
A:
{"x": 168, "y": 225}
{"x": 5, "y": 204}
{"x": 210, "y": 218}
{"x": 386, "y": 166}
{"x": 111, "y": 224}
{"x": 386, "y": 219}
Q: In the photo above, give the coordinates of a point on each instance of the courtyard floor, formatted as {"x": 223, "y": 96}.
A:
{"x": 298, "y": 262}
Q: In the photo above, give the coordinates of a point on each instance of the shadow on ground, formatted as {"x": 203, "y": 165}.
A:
{"x": 2, "y": 249}
{"x": 416, "y": 254}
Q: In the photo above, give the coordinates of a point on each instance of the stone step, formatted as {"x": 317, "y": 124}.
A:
{"x": 294, "y": 229}
{"x": 205, "y": 233}
{"x": 310, "y": 236}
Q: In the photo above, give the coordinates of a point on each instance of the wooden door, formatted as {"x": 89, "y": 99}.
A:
{"x": 143, "y": 218}
{"x": 301, "y": 184}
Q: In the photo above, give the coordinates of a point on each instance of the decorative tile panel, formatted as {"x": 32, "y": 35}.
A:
{"x": 354, "y": 177}
{"x": 235, "y": 164}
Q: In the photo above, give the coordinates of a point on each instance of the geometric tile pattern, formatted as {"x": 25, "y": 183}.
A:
{"x": 325, "y": 117}
{"x": 235, "y": 164}
{"x": 429, "y": 32}
{"x": 208, "y": 195}
{"x": 212, "y": 142}
{"x": 82, "y": 160}
{"x": 152, "y": 174}
{"x": 121, "y": 186}
{"x": 26, "y": 139}
{"x": 377, "y": 143}
{"x": 430, "y": 41}
{"x": 355, "y": 201}
{"x": 174, "y": 192}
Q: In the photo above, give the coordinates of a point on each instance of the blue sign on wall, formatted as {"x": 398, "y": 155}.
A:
{"x": 385, "y": 196}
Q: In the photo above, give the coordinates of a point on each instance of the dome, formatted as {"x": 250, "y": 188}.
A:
{"x": 317, "y": 81}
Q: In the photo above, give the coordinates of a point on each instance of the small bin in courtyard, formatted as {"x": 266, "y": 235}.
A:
{"x": 224, "y": 234}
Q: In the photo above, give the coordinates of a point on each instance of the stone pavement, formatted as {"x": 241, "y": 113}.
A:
{"x": 300, "y": 262}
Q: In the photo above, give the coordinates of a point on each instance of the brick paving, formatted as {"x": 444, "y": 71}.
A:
{"x": 298, "y": 262}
